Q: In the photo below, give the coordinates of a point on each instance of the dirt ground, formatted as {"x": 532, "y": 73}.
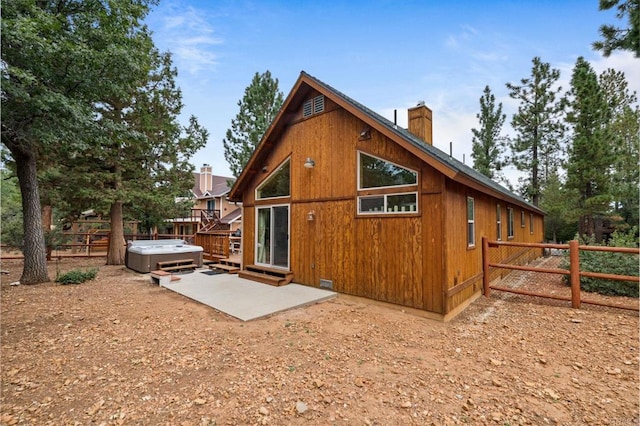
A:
{"x": 121, "y": 351}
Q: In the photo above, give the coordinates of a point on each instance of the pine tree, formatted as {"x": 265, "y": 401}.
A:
{"x": 621, "y": 38}
{"x": 488, "y": 145}
{"x": 590, "y": 151}
{"x": 259, "y": 106}
{"x": 536, "y": 148}
{"x": 59, "y": 59}
{"x": 139, "y": 159}
{"x": 560, "y": 224}
{"x": 624, "y": 128}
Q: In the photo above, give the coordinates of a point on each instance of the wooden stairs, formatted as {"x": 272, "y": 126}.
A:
{"x": 227, "y": 265}
{"x": 272, "y": 276}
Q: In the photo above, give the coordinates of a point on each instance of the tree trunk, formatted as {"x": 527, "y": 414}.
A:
{"x": 117, "y": 247}
{"x": 35, "y": 251}
{"x": 587, "y": 225}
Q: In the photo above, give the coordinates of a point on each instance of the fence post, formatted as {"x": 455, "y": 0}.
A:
{"x": 485, "y": 266}
{"x": 574, "y": 268}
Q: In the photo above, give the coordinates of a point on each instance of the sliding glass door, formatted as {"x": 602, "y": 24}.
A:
{"x": 272, "y": 236}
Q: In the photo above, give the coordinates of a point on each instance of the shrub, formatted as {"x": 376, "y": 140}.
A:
{"x": 609, "y": 263}
{"x": 76, "y": 276}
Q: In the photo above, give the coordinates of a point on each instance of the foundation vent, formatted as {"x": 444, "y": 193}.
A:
{"x": 328, "y": 284}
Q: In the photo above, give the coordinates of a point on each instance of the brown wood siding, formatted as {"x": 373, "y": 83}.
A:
{"x": 383, "y": 257}
{"x": 419, "y": 260}
{"x": 248, "y": 234}
{"x": 463, "y": 264}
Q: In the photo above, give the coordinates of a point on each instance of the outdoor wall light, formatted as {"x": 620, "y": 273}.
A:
{"x": 365, "y": 134}
{"x": 311, "y": 215}
{"x": 309, "y": 163}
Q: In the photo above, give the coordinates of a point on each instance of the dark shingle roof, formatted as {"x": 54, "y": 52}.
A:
{"x": 429, "y": 149}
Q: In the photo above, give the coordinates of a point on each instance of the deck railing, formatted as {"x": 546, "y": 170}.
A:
{"x": 574, "y": 270}
{"x": 215, "y": 244}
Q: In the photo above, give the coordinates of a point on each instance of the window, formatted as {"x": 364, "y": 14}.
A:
{"x": 510, "y": 222}
{"x": 377, "y": 173}
{"x": 471, "y": 226}
{"x": 498, "y": 222}
{"x": 277, "y": 185}
{"x": 531, "y": 223}
{"x": 521, "y": 218}
{"x": 313, "y": 106}
{"x": 388, "y": 203}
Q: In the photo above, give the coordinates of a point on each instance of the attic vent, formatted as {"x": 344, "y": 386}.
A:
{"x": 313, "y": 106}
{"x": 307, "y": 109}
{"x": 318, "y": 104}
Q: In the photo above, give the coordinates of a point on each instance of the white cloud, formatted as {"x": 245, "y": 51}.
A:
{"x": 188, "y": 34}
{"x": 466, "y": 33}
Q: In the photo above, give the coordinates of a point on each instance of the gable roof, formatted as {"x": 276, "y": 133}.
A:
{"x": 219, "y": 186}
{"x": 449, "y": 166}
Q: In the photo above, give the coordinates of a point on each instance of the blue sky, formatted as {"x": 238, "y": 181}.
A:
{"x": 384, "y": 54}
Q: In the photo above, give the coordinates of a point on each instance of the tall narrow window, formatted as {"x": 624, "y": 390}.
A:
{"x": 471, "y": 225}
{"x": 531, "y": 223}
{"x": 521, "y": 218}
{"x": 510, "y": 222}
{"x": 498, "y": 222}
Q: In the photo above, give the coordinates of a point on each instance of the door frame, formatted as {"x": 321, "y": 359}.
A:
{"x": 271, "y": 238}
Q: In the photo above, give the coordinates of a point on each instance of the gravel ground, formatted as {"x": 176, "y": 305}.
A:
{"x": 119, "y": 350}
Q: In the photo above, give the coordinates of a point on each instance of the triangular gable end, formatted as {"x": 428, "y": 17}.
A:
{"x": 446, "y": 165}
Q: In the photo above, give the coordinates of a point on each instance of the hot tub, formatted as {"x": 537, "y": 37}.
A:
{"x": 144, "y": 255}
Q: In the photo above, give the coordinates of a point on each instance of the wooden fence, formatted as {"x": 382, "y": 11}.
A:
{"x": 574, "y": 270}
{"x": 91, "y": 244}
{"x": 215, "y": 244}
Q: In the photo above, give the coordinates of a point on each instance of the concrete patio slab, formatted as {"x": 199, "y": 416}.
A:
{"x": 245, "y": 299}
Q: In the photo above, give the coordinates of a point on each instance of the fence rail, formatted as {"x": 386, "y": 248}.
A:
{"x": 91, "y": 244}
{"x": 573, "y": 272}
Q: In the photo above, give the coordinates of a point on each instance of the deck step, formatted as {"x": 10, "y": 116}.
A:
{"x": 176, "y": 265}
{"x": 266, "y": 275}
{"x": 262, "y": 278}
{"x": 230, "y": 269}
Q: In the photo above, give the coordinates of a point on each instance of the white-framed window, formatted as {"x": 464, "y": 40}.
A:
{"x": 375, "y": 173}
{"x": 498, "y": 222}
{"x": 406, "y": 202}
{"x": 471, "y": 222}
{"x": 531, "y": 223}
{"x": 510, "y": 222}
{"x": 277, "y": 185}
{"x": 521, "y": 218}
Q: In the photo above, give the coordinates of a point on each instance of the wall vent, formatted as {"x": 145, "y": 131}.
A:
{"x": 328, "y": 284}
{"x": 318, "y": 104}
{"x": 307, "y": 108}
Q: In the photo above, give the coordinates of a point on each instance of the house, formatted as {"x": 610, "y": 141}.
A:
{"x": 211, "y": 210}
{"x": 336, "y": 196}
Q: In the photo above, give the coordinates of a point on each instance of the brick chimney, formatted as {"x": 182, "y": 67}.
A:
{"x": 206, "y": 181}
{"x": 420, "y": 123}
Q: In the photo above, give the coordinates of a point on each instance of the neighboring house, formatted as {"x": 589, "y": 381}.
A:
{"x": 211, "y": 210}
{"x": 336, "y": 196}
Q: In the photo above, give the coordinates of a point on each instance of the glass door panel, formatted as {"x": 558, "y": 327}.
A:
{"x": 281, "y": 236}
{"x": 272, "y": 237}
{"x": 263, "y": 240}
